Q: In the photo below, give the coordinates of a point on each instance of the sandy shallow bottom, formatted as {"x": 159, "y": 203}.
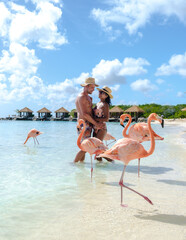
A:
{"x": 91, "y": 210}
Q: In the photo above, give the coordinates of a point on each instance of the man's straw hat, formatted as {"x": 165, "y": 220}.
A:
{"x": 88, "y": 81}
{"x": 107, "y": 90}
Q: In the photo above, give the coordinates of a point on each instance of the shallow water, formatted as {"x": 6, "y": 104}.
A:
{"x": 45, "y": 196}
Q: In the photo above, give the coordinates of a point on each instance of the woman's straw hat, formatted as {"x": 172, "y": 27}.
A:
{"x": 107, "y": 90}
{"x": 88, "y": 81}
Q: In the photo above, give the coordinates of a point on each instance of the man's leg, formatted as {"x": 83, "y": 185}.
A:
{"x": 80, "y": 156}
{"x": 100, "y": 134}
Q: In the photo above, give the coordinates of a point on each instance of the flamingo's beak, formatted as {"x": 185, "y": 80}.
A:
{"x": 122, "y": 123}
{"x": 157, "y": 137}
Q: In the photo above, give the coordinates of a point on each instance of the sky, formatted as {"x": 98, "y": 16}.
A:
{"x": 49, "y": 47}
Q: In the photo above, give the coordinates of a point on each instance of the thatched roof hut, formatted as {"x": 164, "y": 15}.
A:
{"x": 61, "y": 112}
{"x": 44, "y": 113}
{"x": 116, "y": 112}
{"x": 25, "y": 112}
{"x": 135, "y": 109}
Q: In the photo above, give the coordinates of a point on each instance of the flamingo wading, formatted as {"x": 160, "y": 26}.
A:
{"x": 138, "y": 132}
{"x": 33, "y": 133}
{"x": 129, "y": 149}
{"x": 91, "y": 145}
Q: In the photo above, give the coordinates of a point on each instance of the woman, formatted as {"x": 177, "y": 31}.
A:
{"x": 101, "y": 112}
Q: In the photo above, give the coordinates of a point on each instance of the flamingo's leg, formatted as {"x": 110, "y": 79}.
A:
{"x": 138, "y": 167}
{"x": 146, "y": 198}
{"x": 121, "y": 184}
{"x": 34, "y": 140}
{"x": 37, "y": 140}
{"x": 111, "y": 142}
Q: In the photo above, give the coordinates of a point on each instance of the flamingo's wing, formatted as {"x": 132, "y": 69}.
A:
{"x": 92, "y": 145}
{"x": 140, "y": 132}
{"x": 125, "y": 150}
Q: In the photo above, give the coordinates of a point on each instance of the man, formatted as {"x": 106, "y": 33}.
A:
{"x": 84, "y": 109}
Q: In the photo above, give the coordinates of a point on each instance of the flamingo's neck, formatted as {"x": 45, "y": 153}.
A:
{"x": 26, "y": 139}
{"x": 80, "y": 136}
{"x": 126, "y": 128}
{"x": 152, "y": 146}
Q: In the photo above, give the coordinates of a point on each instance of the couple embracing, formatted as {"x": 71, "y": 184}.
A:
{"x": 94, "y": 118}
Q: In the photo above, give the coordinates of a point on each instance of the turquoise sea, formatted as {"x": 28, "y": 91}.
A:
{"x": 43, "y": 195}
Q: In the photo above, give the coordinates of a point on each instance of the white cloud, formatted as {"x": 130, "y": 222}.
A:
{"x": 180, "y": 94}
{"x": 63, "y": 90}
{"x": 19, "y": 62}
{"x": 132, "y": 66}
{"x": 115, "y": 88}
{"x": 143, "y": 85}
{"x": 37, "y": 26}
{"x": 176, "y": 65}
{"x": 81, "y": 78}
{"x": 114, "y": 72}
{"x": 5, "y": 16}
{"x": 136, "y": 14}
{"x": 108, "y": 72}
{"x": 2, "y": 78}
{"x": 160, "y": 81}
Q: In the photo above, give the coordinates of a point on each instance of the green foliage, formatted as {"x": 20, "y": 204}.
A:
{"x": 168, "y": 111}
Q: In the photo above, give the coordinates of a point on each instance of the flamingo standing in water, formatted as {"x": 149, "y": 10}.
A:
{"x": 33, "y": 133}
{"x": 108, "y": 137}
{"x": 91, "y": 145}
{"x": 139, "y": 132}
{"x": 129, "y": 149}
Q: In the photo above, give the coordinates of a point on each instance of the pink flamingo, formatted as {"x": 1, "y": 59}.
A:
{"x": 129, "y": 149}
{"x": 138, "y": 132}
{"x": 108, "y": 137}
{"x": 33, "y": 133}
{"x": 91, "y": 145}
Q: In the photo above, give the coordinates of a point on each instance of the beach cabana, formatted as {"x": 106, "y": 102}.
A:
{"x": 44, "y": 114}
{"x": 135, "y": 110}
{"x": 25, "y": 113}
{"x": 62, "y": 113}
{"x": 115, "y": 112}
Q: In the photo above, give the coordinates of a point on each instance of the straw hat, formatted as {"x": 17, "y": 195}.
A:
{"x": 107, "y": 90}
{"x": 88, "y": 81}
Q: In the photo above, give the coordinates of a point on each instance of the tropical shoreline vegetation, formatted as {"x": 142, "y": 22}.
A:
{"x": 168, "y": 111}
